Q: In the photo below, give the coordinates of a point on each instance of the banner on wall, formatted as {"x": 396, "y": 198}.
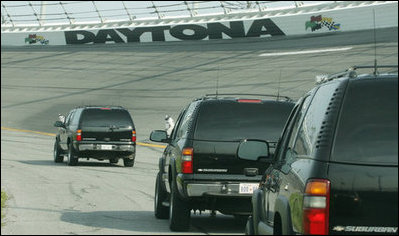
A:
{"x": 348, "y": 19}
{"x": 216, "y": 30}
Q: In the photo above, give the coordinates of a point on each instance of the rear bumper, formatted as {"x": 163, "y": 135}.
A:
{"x": 190, "y": 187}
{"x": 215, "y": 189}
{"x": 105, "y": 147}
{"x": 220, "y": 194}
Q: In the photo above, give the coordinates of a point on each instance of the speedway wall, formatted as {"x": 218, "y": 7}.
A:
{"x": 258, "y": 24}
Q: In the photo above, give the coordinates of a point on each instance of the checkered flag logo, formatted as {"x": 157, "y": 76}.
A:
{"x": 318, "y": 22}
{"x": 330, "y": 25}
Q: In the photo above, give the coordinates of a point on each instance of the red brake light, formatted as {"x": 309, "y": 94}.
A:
{"x": 187, "y": 161}
{"x": 134, "y": 136}
{"x": 250, "y": 100}
{"x": 79, "y": 135}
{"x": 316, "y": 205}
{"x": 105, "y": 108}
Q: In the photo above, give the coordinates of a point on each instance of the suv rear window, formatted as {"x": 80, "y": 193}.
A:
{"x": 233, "y": 121}
{"x": 105, "y": 118}
{"x": 368, "y": 127}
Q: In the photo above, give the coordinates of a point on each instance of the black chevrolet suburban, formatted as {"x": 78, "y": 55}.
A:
{"x": 99, "y": 132}
{"x": 199, "y": 168}
{"x": 335, "y": 170}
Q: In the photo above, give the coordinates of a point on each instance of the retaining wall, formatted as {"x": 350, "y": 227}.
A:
{"x": 239, "y": 25}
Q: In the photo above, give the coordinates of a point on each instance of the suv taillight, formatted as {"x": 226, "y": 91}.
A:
{"x": 134, "y": 136}
{"x": 187, "y": 161}
{"x": 79, "y": 135}
{"x": 316, "y": 204}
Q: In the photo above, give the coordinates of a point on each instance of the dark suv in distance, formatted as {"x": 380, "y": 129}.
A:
{"x": 199, "y": 168}
{"x": 335, "y": 170}
{"x": 99, "y": 132}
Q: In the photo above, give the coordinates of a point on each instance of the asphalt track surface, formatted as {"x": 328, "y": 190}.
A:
{"x": 150, "y": 80}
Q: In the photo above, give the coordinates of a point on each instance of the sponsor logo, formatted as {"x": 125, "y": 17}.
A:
{"x": 368, "y": 229}
{"x": 317, "y": 22}
{"x": 215, "y": 30}
{"x": 33, "y": 38}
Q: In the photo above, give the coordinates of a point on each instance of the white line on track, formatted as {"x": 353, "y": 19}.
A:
{"x": 304, "y": 52}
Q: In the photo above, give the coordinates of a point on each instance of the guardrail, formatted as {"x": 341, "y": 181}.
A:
{"x": 251, "y": 22}
{"x": 26, "y": 13}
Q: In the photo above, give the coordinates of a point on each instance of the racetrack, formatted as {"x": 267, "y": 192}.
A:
{"x": 150, "y": 80}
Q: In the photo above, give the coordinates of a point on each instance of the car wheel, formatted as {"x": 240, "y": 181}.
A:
{"x": 129, "y": 161}
{"x": 72, "y": 157}
{"x": 161, "y": 211}
{"x": 241, "y": 219}
{"x": 56, "y": 153}
{"x": 179, "y": 211}
{"x": 113, "y": 160}
{"x": 249, "y": 228}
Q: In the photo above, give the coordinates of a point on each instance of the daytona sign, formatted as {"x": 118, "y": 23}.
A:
{"x": 236, "y": 29}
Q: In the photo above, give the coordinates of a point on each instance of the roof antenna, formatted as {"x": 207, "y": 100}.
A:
{"x": 375, "y": 46}
{"x": 278, "y": 88}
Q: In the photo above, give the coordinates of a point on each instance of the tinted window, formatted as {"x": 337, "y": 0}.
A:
{"x": 75, "y": 118}
{"x": 177, "y": 124}
{"x": 308, "y": 132}
{"x": 292, "y": 153}
{"x": 230, "y": 120}
{"x": 69, "y": 117}
{"x": 186, "y": 121}
{"x": 106, "y": 117}
{"x": 368, "y": 126}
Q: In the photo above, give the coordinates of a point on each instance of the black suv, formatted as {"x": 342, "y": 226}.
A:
{"x": 199, "y": 168}
{"x": 335, "y": 170}
{"x": 99, "y": 132}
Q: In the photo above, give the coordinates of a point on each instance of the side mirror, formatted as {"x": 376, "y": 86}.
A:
{"x": 159, "y": 136}
{"x": 59, "y": 124}
{"x": 252, "y": 150}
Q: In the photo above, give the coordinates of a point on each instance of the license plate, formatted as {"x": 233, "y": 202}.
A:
{"x": 106, "y": 147}
{"x": 248, "y": 188}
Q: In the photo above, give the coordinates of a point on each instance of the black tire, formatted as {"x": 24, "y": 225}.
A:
{"x": 72, "y": 158}
{"x": 249, "y": 227}
{"x": 113, "y": 160}
{"x": 179, "y": 211}
{"x": 129, "y": 161}
{"x": 161, "y": 211}
{"x": 56, "y": 153}
{"x": 241, "y": 219}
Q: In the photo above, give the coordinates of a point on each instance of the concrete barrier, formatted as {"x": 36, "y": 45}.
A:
{"x": 259, "y": 24}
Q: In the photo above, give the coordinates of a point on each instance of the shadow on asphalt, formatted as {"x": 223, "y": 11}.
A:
{"x": 85, "y": 164}
{"x": 145, "y": 221}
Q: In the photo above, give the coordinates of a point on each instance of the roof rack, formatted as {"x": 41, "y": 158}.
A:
{"x": 350, "y": 72}
{"x": 83, "y": 106}
{"x": 278, "y": 97}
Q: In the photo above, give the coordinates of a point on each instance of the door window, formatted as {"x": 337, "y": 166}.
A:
{"x": 186, "y": 121}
